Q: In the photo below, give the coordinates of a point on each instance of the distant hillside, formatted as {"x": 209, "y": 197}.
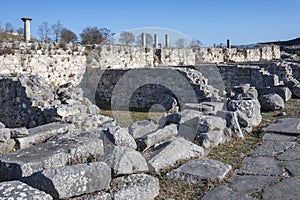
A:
{"x": 12, "y": 37}
{"x": 286, "y": 43}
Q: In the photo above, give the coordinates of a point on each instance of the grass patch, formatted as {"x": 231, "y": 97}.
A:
{"x": 124, "y": 119}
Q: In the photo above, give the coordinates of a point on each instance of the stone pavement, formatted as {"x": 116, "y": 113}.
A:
{"x": 271, "y": 171}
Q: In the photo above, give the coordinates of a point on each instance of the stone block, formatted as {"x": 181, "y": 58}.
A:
{"x": 124, "y": 160}
{"x": 136, "y": 186}
{"x": 231, "y": 121}
{"x": 73, "y": 180}
{"x": 287, "y": 126}
{"x": 224, "y": 193}
{"x": 41, "y": 133}
{"x": 157, "y": 137}
{"x": 166, "y": 156}
{"x": 284, "y": 92}
{"x": 7, "y": 147}
{"x": 271, "y": 102}
{"x": 19, "y": 132}
{"x": 211, "y": 138}
{"x": 25, "y": 162}
{"x": 141, "y": 128}
{"x": 200, "y": 170}
{"x": 4, "y": 134}
{"x": 18, "y": 190}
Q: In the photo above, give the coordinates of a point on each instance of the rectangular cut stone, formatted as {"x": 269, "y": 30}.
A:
{"x": 24, "y": 162}
{"x": 157, "y": 137}
{"x": 42, "y": 133}
{"x": 19, "y": 190}
{"x": 287, "y": 126}
{"x": 73, "y": 180}
{"x": 177, "y": 150}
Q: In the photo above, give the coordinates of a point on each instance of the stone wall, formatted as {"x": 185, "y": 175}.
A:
{"x": 234, "y": 75}
{"x": 66, "y": 64}
{"x": 145, "y": 88}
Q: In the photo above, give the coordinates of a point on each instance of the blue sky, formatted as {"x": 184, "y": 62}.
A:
{"x": 210, "y": 21}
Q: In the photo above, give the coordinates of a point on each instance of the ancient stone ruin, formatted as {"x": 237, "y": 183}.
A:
{"x": 54, "y": 144}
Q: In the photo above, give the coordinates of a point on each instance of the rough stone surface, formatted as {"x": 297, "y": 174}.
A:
{"x": 296, "y": 91}
{"x": 284, "y": 92}
{"x": 200, "y": 170}
{"x": 6, "y": 147}
{"x": 288, "y": 188}
{"x": 278, "y": 137}
{"x": 292, "y": 153}
{"x": 231, "y": 121}
{"x": 141, "y": 128}
{"x": 4, "y": 135}
{"x": 18, "y": 190}
{"x": 120, "y": 136}
{"x": 271, "y": 148}
{"x": 249, "y": 106}
{"x": 136, "y": 186}
{"x": 249, "y": 183}
{"x": 19, "y": 132}
{"x": 168, "y": 155}
{"x": 224, "y": 193}
{"x": 41, "y": 133}
{"x": 25, "y": 162}
{"x": 211, "y": 138}
{"x": 289, "y": 126}
{"x": 293, "y": 167}
{"x": 266, "y": 166}
{"x": 271, "y": 102}
{"x": 157, "y": 137}
{"x": 124, "y": 160}
{"x": 72, "y": 180}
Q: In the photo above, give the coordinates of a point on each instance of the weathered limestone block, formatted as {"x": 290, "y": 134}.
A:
{"x": 6, "y": 147}
{"x": 271, "y": 102}
{"x": 120, "y": 136}
{"x": 205, "y": 107}
{"x": 211, "y": 138}
{"x": 136, "y": 186}
{"x": 209, "y": 123}
{"x": 224, "y": 193}
{"x": 4, "y": 134}
{"x": 200, "y": 170}
{"x": 25, "y": 162}
{"x": 249, "y": 106}
{"x": 41, "y": 133}
{"x": 19, "y": 132}
{"x": 141, "y": 128}
{"x": 231, "y": 121}
{"x": 19, "y": 190}
{"x": 296, "y": 91}
{"x": 124, "y": 160}
{"x": 157, "y": 137}
{"x": 73, "y": 180}
{"x": 284, "y": 92}
{"x": 287, "y": 188}
{"x": 179, "y": 149}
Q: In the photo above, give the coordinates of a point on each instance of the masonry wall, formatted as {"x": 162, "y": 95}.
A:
{"x": 61, "y": 65}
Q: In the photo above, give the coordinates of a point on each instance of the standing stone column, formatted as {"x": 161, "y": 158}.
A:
{"x": 144, "y": 40}
{"x": 26, "y": 21}
{"x": 167, "y": 41}
{"x": 155, "y": 41}
{"x": 228, "y": 44}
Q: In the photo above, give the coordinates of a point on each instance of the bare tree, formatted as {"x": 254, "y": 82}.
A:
{"x": 44, "y": 32}
{"x": 149, "y": 39}
{"x": 56, "y": 30}
{"x": 9, "y": 27}
{"x": 127, "y": 38}
{"x": 95, "y": 35}
{"x": 68, "y": 36}
{"x": 20, "y": 30}
{"x": 180, "y": 43}
{"x": 195, "y": 44}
